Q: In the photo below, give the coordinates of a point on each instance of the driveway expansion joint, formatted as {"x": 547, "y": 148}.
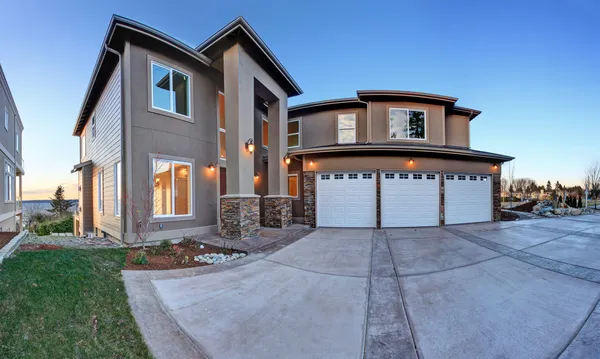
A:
{"x": 315, "y": 272}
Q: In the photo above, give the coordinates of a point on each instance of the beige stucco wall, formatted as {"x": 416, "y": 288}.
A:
{"x": 434, "y": 126}
{"x": 162, "y": 134}
{"x": 319, "y": 128}
{"x": 457, "y": 131}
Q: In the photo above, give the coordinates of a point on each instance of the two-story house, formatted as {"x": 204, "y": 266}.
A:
{"x": 11, "y": 157}
{"x": 204, "y": 139}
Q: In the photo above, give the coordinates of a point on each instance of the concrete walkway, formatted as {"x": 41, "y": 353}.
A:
{"x": 525, "y": 289}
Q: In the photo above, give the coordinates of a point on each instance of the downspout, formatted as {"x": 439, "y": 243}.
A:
{"x": 123, "y": 215}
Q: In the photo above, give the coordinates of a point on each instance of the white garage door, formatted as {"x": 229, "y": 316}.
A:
{"x": 468, "y": 198}
{"x": 346, "y": 199}
{"x": 410, "y": 199}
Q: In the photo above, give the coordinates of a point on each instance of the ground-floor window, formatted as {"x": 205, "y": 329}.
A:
{"x": 172, "y": 188}
{"x": 9, "y": 179}
{"x": 100, "y": 191}
{"x": 293, "y": 185}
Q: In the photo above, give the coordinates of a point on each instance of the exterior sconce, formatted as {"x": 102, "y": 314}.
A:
{"x": 312, "y": 163}
{"x": 411, "y": 161}
{"x": 495, "y": 166}
{"x": 287, "y": 159}
{"x": 211, "y": 167}
{"x": 256, "y": 175}
{"x": 250, "y": 145}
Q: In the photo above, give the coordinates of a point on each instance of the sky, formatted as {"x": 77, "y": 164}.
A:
{"x": 531, "y": 67}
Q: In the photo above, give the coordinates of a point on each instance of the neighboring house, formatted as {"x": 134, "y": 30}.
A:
{"x": 11, "y": 157}
{"x": 209, "y": 130}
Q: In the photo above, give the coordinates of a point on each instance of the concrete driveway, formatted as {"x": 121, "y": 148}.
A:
{"x": 526, "y": 289}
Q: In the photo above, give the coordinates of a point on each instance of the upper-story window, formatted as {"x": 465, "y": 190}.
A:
{"x": 170, "y": 89}
{"x": 6, "y": 119}
{"x": 222, "y": 132}
{"x": 346, "y": 128}
{"x": 17, "y": 141}
{"x": 406, "y": 124}
{"x": 83, "y": 144}
{"x": 265, "y": 131}
{"x": 94, "y": 126}
{"x": 294, "y": 133}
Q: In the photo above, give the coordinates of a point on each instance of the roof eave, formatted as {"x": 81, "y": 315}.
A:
{"x": 407, "y": 94}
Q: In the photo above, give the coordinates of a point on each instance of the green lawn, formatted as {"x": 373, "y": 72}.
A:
{"x": 69, "y": 303}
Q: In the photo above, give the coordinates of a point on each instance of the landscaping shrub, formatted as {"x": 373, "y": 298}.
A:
{"x": 140, "y": 258}
{"x": 579, "y": 204}
{"x": 64, "y": 225}
{"x": 165, "y": 245}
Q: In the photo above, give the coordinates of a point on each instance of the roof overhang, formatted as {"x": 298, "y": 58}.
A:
{"x": 79, "y": 166}
{"x": 336, "y": 104}
{"x": 431, "y": 150}
{"x": 119, "y": 30}
{"x": 463, "y": 111}
{"x": 394, "y": 95}
{"x": 239, "y": 31}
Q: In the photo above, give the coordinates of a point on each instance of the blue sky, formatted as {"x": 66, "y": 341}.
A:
{"x": 531, "y": 68}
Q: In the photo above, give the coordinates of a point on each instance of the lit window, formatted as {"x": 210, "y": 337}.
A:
{"x": 417, "y": 176}
{"x": 346, "y": 126}
{"x": 170, "y": 90}
{"x": 406, "y": 124}
{"x": 94, "y": 126}
{"x": 294, "y": 133}
{"x": 265, "y": 131}
{"x": 100, "y": 191}
{"x": 338, "y": 176}
{"x": 6, "y": 118}
{"x": 9, "y": 179}
{"x": 172, "y": 188}
{"x": 222, "y": 132}
{"x": 293, "y": 185}
{"x": 118, "y": 189}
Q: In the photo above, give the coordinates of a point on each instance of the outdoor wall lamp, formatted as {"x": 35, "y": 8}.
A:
{"x": 287, "y": 159}
{"x": 211, "y": 167}
{"x": 411, "y": 161}
{"x": 312, "y": 163}
{"x": 256, "y": 175}
{"x": 495, "y": 166}
{"x": 250, "y": 145}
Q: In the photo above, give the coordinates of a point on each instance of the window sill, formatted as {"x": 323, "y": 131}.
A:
{"x": 170, "y": 114}
{"x": 9, "y": 202}
{"x": 172, "y": 219}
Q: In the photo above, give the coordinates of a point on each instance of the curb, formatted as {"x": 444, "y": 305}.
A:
{"x": 8, "y": 249}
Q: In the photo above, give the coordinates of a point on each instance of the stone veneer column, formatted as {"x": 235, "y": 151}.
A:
{"x": 378, "y": 196}
{"x": 278, "y": 211}
{"x": 309, "y": 199}
{"x": 240, "y": 216}
{"x": 442, "y": 199}
{"x": 496, "y": 178}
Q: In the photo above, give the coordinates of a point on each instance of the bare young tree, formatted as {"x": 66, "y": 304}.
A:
{"x": 510, "y": 178}
{"x": 592, "y": 181}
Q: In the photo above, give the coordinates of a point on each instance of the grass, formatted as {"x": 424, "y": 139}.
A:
{"x": 68, "y": 303}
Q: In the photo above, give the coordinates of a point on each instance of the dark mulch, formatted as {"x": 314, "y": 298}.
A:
{"x": 38, "y": 247}
{"x": 507, "y": 216}
{"x": 175, "y": 257}
{"x": 6, "y": 237}
{"x": 525, "y": 207}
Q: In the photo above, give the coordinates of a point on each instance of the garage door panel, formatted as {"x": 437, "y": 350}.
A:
{"x": 346, "y": 199}
{"x": 409, "y": 199}
{"x": 468, "y": 198}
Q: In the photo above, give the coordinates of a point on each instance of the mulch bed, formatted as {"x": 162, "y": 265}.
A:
{"x": 6, "y": 237}
{"x": 173, "y": 258}
{"x": 525, "y": 207}
{"x": 507, "y": 216}
{"x": 38, "y": 247}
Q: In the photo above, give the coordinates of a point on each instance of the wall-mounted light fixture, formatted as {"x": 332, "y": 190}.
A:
{"x": 312, "y": 163}
{"x": 211, "y": 167}
{"x": 411, "y": 161}
{"x": 495, "y": 166}
{"x": 287, "y": 159}
{"x": 250, "y": 145}
{"x": 256, "y": 175}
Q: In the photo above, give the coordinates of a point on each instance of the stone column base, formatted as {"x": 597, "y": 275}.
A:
{"x": 278, "y": 211}
{"x": 240, "y": 216}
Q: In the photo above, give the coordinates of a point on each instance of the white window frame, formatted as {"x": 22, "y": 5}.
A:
{"x": 263, "y": 119}
{"x": 17, "y": 142}
{"x": 297, "y": 185}
{"x": 82, "y": 138}
{"x": 221, "y": 129}
{"x": 299, "y": 120}
{"x": 408, "y": 117}
{"x": 9, "y": 182}
{"x": 117, "y": 179}
{"x": 171, "y": 69}
{"x": 93, "y": 126}
{"x": 6, "y": 118}
{"x": 173, "y": 161}
{"x": 337, "y": 125}
{"x": 100, "y": 190}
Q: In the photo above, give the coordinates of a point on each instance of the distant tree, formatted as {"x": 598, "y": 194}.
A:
{"x": 59, "y": 205}
{"x": 592, "y": 181}
{"x": 548, "y": 187}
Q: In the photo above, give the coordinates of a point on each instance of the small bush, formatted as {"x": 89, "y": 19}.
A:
{"x": 64, "y": 225}
{"x": 154, "y": 250}
{"x": 165, "y": 245}
{"x": 140, "y": 258}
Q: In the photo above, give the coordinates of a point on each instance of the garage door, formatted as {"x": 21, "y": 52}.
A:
{"x": 410, "y": 199}
{"x": 346, "y": 199}
{"x": 468, "y": 198}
